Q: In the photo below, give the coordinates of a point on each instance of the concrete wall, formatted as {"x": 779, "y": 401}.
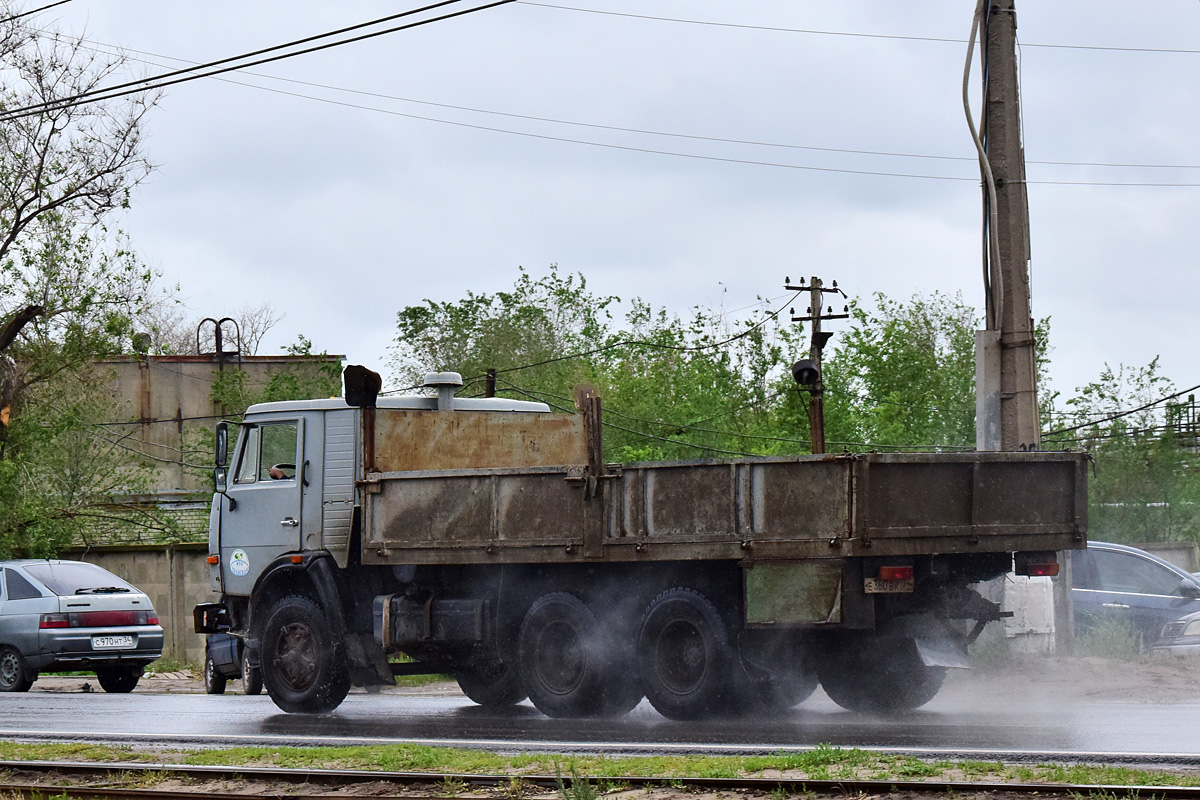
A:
{"x": 175, "y": 577}
{"x": 1182, "y": 554}
{"x": 167, "y": 401}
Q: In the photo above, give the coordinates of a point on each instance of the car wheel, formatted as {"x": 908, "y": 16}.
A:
{"x": 13, "y": 675}
{"x": 118, "y": 680}
{"x": 564, "y": 664}
{"x": 252, "y": 680}
{"x": 303, "y": 665}
{"x": 214, "y": 680}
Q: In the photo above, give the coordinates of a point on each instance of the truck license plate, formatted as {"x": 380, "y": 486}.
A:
{"x": 111, "y": 642}
{"x": 875, "y": 586}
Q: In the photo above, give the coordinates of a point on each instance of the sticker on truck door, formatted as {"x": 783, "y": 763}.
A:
{"x": 239, "y": 563}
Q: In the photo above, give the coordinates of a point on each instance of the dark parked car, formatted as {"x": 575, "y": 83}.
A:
{"x": 1113, "y": 582}
{"x": 225, "y": 658}
{"x": 63, "y": 616}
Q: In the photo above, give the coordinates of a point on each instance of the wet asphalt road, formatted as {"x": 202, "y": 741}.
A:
{"x": 963, "y": 721}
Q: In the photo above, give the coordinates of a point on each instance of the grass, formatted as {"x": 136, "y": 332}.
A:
{"x": 593, "y": 776}
{"x": 1110, "y": 638}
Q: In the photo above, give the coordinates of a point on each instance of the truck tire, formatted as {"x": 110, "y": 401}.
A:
{"x": 689, "y": 667}
{"x": 302, "y": 664}
{"x": 118, "y": 680}
{"x": 13, "y": 671}
{"x": 879, "y": 675}
{"x": 565, "y": 665}
{"x": 214, "y": 679}
{"x": 783, "y": 688}
{"x": 493, "y": 685}
{"x": 252, "y": 680}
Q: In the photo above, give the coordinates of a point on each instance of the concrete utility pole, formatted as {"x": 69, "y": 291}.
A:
{"x": 1005, "y": 360}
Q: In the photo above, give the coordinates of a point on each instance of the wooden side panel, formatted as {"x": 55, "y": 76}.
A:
{"x": 407, "y": 440}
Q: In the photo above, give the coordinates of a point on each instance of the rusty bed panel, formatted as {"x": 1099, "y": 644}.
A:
{"x": 428, "y": 440}
{"x": 749, "y": 509}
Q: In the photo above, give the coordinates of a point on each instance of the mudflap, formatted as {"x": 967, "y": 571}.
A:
{"x": 943, "y": 651}
{"x": 368, "y": 665}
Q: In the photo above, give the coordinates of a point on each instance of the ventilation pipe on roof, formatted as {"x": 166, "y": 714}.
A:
{"x": 445, "y": 383}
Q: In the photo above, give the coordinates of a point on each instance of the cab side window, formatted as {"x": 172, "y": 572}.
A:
{"x": 1124, "y": 572}
{"x": 278, "y": 452}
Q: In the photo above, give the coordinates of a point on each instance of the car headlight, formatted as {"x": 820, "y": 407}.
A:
{"x": 1193, "y": 628}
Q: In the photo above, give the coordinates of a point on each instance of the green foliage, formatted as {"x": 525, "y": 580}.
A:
{"x": 1109, "y": 637}
{"x": 1147, "y": 480}
{"x": 677, "y": 387}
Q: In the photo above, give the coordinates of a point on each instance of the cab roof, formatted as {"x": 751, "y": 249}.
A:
{"x": 409, "y": 402}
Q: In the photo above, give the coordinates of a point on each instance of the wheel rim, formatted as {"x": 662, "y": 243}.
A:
{"x": 681, "y": 657}
{"x": 209, "y": 672}
{"x": 296, "y": 656}
{"x": 10, "y": 668}
{"x": 247, "y": 672}
{"x": 560, "y": 661}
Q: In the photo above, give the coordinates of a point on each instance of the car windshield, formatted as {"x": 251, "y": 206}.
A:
{"x": 77, "y": 578}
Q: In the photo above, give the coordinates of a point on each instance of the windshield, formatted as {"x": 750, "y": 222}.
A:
{"x": 77, "y": 578}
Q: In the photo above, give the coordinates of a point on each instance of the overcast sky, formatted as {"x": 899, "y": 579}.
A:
{"x": 339, "y": 216}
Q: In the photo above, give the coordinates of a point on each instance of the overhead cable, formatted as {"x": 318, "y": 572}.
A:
{"x": 899, "y": 37}
{"x": 32, "y": 11}
{"x": 159, "y": 82}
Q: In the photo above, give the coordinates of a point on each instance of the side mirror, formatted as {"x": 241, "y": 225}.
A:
{"x": 220, "y": 480}
{"x": 222, "y": 444}
{"x": 1189, "y": 588}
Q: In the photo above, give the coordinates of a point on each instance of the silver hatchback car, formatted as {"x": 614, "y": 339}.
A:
{"x": 63, "y": 616}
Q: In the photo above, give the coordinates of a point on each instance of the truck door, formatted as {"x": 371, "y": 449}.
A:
{"x": 265, "y": 492}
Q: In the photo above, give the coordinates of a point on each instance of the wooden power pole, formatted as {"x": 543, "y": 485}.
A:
{"x": 1006, "y": 364}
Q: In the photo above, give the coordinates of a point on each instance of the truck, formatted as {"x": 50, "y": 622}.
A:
{"x": 358, "y": 538}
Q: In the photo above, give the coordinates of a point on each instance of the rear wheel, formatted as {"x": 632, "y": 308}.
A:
{"x": 302, "y": 665}
{"x": 118, "y": 680}
{"x": 252, "y": 680}
{"x": 782, "y": 689}
{"x": 880, "y": 675}
{"x": 569, "y": 665}
{"x": 689, "y": 667}
{"x": 214, "y": 679}
{"x": 492, "y": 685}
{"x": 13, "y": 673}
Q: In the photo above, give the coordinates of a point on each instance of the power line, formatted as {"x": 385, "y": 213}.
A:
{"x": 159, "y": 82}
{"x": 33, "y": 11}
{"x": 1120, "y": 414}
{"x": 624, "y": 129}
{"x": 813, "y": 32}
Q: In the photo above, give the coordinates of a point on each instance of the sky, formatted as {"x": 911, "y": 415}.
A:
{"x": 329, "y": 190}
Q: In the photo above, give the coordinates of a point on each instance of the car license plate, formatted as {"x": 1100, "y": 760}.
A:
{"x": 876, "y": 586}
{"x": 111, "y": 642}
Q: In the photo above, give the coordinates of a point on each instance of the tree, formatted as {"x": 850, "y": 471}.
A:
{"x": 69, "y": 287}
{"x": 1147, "y": 483}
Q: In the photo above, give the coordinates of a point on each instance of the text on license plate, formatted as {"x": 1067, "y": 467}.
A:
{"x": 875, "y": 586}
{"x": 111, "y": 642}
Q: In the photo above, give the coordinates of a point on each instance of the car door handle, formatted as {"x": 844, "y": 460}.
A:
{"x": 292, "y": 523}
{"x": 1106, "y": 605}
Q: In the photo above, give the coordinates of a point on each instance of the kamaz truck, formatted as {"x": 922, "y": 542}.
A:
{"x": 357, "y": 538}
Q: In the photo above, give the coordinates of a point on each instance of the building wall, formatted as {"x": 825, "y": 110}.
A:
{"x": 175, "y": 577}
{"x": 167, "y": 403}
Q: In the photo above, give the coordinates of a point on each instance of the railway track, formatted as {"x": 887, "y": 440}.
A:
{"x": 126, "y": 781}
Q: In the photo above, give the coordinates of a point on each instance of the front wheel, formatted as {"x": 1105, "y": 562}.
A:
{"x": 302, "y": 664}
{"x": 879, "y": 675}
{"x": 118, "y": 680}
{"x": 13, "y": 673}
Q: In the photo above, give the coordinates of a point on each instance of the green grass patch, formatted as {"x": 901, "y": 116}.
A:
{"x": 600, "y": 774}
